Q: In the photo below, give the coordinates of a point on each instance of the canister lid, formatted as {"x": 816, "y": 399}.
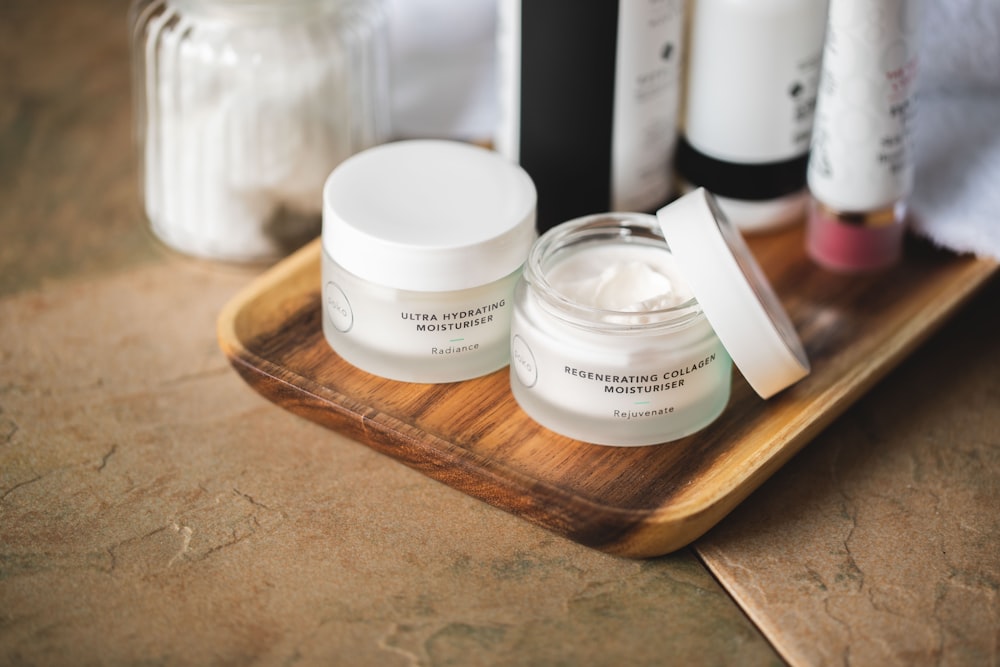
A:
{"x": 734, "y": 293}
{"x": 429, "y": 215}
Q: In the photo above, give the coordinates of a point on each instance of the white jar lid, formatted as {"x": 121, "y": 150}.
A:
{"x": 734, "y": 293}
{"x": 429, "y": 215}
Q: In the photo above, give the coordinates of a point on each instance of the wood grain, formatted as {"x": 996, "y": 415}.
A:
{"x": 636, "y": 502}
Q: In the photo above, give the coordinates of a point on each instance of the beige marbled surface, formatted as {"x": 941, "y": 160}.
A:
{"x": 880, "y": 543}
{"x": 154, "y": 510}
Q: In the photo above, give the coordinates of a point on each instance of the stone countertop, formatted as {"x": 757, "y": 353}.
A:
{"x": 154, "y": 509}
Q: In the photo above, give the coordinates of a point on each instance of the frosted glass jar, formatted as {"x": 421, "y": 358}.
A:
{"x": 423, "y": 242}
{"x": 626, "y": 326}
{"x": 242, "y": 109}
{"x": 609, "y": 376}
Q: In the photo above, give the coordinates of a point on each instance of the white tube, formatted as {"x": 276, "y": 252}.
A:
{"x": 860, "y": 168}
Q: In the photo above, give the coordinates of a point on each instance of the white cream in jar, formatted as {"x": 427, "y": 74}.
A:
{"x": 423, "y": 243}
{"x": 609, "y": 344}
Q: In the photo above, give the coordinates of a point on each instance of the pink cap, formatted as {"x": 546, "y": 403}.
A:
{"x": 851, "y": 244}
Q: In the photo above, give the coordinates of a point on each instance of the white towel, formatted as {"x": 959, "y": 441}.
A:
{"x": 442, "y": 57}
{"x": 956, "y": 199}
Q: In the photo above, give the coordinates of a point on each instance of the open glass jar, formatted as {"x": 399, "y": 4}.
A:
{"x": 626, "y": 326}
{"x": 243, "y": 107}
{"x": 604, "y": 374}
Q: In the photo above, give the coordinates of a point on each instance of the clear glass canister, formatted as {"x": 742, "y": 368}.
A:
{"x": 242, "y": 109}
{"x": 608, "y": 345}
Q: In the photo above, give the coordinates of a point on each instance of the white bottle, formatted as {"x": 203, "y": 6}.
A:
{"x": 589, "y": 95}
{"x": 752, "y": 77}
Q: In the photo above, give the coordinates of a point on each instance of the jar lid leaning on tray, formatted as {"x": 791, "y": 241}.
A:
{"x": 734, "y": 293}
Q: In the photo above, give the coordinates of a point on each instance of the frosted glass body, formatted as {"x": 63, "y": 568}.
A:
{"x": 416, "y": 336}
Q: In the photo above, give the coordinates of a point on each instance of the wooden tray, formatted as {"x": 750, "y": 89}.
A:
{"x": 636, "y": 502}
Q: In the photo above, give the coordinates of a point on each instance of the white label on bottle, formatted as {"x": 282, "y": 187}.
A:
{"x": 647, "y": 95}
{"x": 507, "y": 136}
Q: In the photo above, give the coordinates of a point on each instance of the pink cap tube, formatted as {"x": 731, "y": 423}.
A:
{"x": 855, "y": 242}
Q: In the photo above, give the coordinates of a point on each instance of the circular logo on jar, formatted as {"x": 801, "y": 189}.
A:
{"x": 523, "y": 362}
{"x": 338, "y": 308}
